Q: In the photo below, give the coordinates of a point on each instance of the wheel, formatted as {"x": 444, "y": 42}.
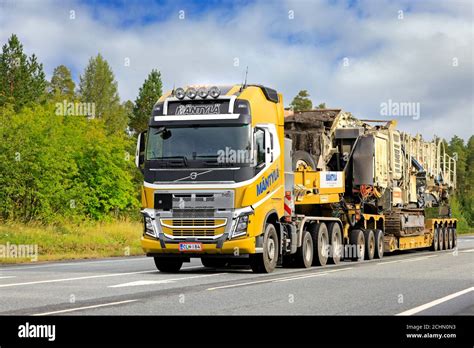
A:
{"x": 455, "y": 238}
{"x": 446, "y": 238}
{"x": 379, "y": 245}
{"x": 435, "y": 245}
{"x": 357, "y": 242}
{"x": 450, "y": 238}
{"x": 319, "y": 232}
{"x": 168, "y": 265}
{"x": 303, "y": 157}
{"x": 213, "y": 262}
{"x": 335, "y": 239}
{"x": 304, "y": 255}
{"x": 440, "y": 238}
{"x": 369, "y": 244}
{"x": 266, "y": 261}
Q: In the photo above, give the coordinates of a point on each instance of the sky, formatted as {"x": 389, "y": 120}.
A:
{"x": 406, "y": 60}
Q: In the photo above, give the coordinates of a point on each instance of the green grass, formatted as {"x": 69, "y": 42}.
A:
{"x": 72, "y": 242}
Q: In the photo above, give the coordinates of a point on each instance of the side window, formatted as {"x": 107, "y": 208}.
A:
{"x": 260, "y": 145}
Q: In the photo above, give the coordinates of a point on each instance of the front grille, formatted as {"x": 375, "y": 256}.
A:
{"x": 193, "y": 233}
{"x": 193, "y": 213}
{"x": 193, "y": 222}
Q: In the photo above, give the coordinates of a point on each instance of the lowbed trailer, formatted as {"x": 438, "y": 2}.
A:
{"x": 230, "y": 180}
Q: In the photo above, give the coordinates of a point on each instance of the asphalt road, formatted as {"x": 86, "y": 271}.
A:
{"x": 410, "y": 283}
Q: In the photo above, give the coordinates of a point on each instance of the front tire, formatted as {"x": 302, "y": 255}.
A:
{"x": 266, "y": 261}
{"x": 168, "y": 265}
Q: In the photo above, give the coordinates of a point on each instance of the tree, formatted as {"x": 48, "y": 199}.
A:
{"x": 62, "y": 83}
{"x": 97, "y": 85}
{"x": 301, "y": 102}
{"x": 322, "y": 106}
{"x": 149, "y": 93}
{"x": 22, "y": 79}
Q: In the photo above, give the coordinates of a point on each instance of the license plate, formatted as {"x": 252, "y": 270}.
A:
{"x": 189, "y": 246}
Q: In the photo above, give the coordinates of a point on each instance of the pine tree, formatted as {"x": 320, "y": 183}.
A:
{"x": 301, "y": 102}
{"x": 148, "y": 95}
{"x": 97, "y": 85}
{"x": 22, "y": 79}
{"x": 62, "y": 83}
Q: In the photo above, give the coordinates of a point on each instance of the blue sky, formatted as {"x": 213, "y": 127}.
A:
{"x": 350, "y": 54}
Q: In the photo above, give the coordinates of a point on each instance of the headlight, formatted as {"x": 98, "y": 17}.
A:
{"x": 148, "y": 226}
{"x": 214, "y": 92}
{"x": 202, "y": 92}
{"x": 179, "y": 93}
{"x": 241, "y": 226}
{"x": 191, "y": 93}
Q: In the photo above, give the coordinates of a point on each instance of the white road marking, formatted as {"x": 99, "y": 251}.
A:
{"x": 275, "y": 280}
{"x": 419, "y": 258}
{"x": 467, "y": 251}
{"x": 87, "y": 307}
{"x": 163, "y": 281}
{"x": 6, "y": 277}
{"x": 387, "y": 262}
{"x": 76, "y": 278}
{"x": 407, "y": 260}
{"x": 72, "y": 263}
{"x": 80, "y": 263}
{"x": 436, "y": 302}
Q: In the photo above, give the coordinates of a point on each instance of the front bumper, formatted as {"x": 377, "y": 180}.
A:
{"x": 240, "y": 246}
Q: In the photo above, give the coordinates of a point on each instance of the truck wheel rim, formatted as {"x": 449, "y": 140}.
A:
{"x": 271, "y": 249}
{"x": 307, "y": 251}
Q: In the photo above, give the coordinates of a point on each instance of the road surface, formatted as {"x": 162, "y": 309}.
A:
{"x": 410, "y": 283}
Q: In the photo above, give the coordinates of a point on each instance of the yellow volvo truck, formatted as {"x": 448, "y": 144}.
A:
{"x": 228, "y": 179}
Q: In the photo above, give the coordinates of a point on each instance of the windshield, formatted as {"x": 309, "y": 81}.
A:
{"x": 229, "y": 144}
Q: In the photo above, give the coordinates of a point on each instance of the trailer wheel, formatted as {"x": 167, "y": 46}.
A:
{"x": 446, "y": 238}
{"x": 305, "y": 254}
{"x": 434, "y": 246}
{"x": 168, "y": 265}
{"x": 369, "y": 244}
{"x": 303, "y": 157}
{"x": 357, "y": 242}
{"x": 440, "y": 238}
{"x": 379, "y": 245}
{"x": 335, "y": 238}
{"x": 450, "y": 238}
{"x": 266, "y": 261}
{"x": 214, "y": 262}
{"x": 319, "y": 232}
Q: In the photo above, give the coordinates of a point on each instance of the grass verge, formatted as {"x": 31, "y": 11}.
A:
{"x": 21, "y": 243}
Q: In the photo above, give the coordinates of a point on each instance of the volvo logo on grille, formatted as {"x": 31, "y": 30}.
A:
{"x": 193, "y": 175}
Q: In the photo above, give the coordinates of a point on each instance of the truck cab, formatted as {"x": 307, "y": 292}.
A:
{"x": 213, "y": 176}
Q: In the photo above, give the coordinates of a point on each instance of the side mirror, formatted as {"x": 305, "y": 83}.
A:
{"x": 140, "y": 151}
{"x": 268, "y": 147}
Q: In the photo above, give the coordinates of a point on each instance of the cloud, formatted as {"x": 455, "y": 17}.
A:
{"x": 406, "y": 60}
